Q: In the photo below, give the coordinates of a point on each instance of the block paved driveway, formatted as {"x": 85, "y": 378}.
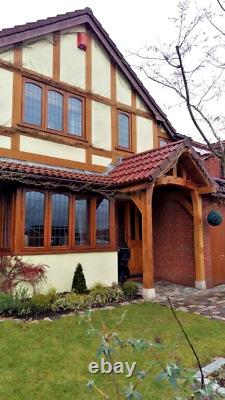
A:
{"x": 210, "y": 302}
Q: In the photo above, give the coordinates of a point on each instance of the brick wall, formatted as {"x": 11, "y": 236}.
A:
{"x": 214, "y": 245}
{"x": 212, "y": 164}
{"x": 173, "y": 236}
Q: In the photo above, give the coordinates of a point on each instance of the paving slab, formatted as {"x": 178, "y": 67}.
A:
{"x": 209, "y": 302}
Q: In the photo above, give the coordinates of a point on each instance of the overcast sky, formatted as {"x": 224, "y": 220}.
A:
{"x": 130, "y": 24}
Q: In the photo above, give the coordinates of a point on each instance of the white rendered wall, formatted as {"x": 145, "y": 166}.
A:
{"x": 144, "y": 134}
{"x": 7, "y": 55}
{"x": 123, "y": 89}
{"x": 5, "y": 142}
{"x": 101, "y": 81}
{"x": 38, "y": 55}
{"x": 51, "y": 149}
{"x": 141, "y": 105}
{"x": 97, "y": 266}
{"x": 99, "y": 160}
{"x": 6, "y": 92}
{"x": 72, "y": 59}
{"x": 101, "y": 126}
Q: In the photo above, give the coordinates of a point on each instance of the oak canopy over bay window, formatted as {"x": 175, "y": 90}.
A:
{"x": 65, "y": 221}
{"x": 54, "y": 110}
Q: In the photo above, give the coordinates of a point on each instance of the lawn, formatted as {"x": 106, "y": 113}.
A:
{"x": 50, "y": 360}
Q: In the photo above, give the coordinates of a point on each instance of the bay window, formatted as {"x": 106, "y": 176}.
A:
{"x": 55, "y": 221}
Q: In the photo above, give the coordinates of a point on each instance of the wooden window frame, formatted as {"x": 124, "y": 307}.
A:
{"x": 4, "y": 250}
{"x": 83, "y": 113}
{"x": 42, "y": 86}
{"x": 129, "y": 148}
{"x": 22, "y": 242}
{"x": 72, "y": 247}
{"x": 44, "y": 110}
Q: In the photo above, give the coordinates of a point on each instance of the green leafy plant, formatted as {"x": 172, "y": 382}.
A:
{"x": 79, "y": 281}
{"x": 71, "y": 302}
{"x": 130, "y": 289}
{"x": 14, "y": 303}
{"x": 40, "y": 302}
{"x": 110, "y": 344}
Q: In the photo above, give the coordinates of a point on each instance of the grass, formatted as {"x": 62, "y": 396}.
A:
{"x": 50, "y": 360}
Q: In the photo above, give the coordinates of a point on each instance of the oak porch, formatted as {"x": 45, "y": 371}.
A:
{"x": 142, "y": 197}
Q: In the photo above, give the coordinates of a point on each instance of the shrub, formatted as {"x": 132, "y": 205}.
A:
{"x": 100, "y": 294}
{"x": 40, "y": 302}
{"x": 115, "y": 294}
{"x": 71, "y": 302}
{"x": 11, "y": 304}
{"x": 79, "y": 282}
{"x": 130, "y": 289}
{"x": 13, "y": 270}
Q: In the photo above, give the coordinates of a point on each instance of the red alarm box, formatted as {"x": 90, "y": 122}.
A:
{"x": 82, "y": 40}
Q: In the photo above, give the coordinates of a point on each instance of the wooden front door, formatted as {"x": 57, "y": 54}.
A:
{"x": 134, "y": 238}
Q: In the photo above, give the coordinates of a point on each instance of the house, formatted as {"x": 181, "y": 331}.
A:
{"x": 89, "y": 163}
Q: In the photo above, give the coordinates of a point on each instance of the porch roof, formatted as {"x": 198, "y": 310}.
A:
{"x": 146, "y": 166}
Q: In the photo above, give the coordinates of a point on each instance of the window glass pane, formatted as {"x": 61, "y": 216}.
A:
{"x": 124, "y": 140}
{"x": 34, "y": 219}
{"x": 55, "y": 110}
{"x": 32, "y": 104}
{"x": 81, "y": 221}
{"x": 60, "y": 220}
{"x": 102, "y": 222}
{"x": 75, "y": 116}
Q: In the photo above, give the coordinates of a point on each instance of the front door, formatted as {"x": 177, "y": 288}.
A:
{"x": 134, "y": 238}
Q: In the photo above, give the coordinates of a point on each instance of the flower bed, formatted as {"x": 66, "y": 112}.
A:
{"x": 53, "y": 303}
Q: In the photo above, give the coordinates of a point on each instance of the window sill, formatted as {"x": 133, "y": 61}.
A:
{"x": 123, "y": 149}
{"x": 37, "y": 130}
{"x": 57, "y": 250}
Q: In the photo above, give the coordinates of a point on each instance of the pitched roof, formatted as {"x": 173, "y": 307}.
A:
{"x": 220, "y": 188}
{"x": 151, "y": 164}
{"x": 146, "y": 166}
{"x": 35, "y": 29}
{"x": 44, "y": 171}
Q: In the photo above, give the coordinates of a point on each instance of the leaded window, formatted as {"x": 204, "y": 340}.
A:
{"x": 34, "y": 219}
{"x": 124, "y": 130}
{"x": 32, "y": 104}
{"x": 102, "y": 222}
{"x": 55, "y": 110}
{"x": 82, "y": 208}
{"x": 75, "y": 116}
{"x": 60, "y": 220}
